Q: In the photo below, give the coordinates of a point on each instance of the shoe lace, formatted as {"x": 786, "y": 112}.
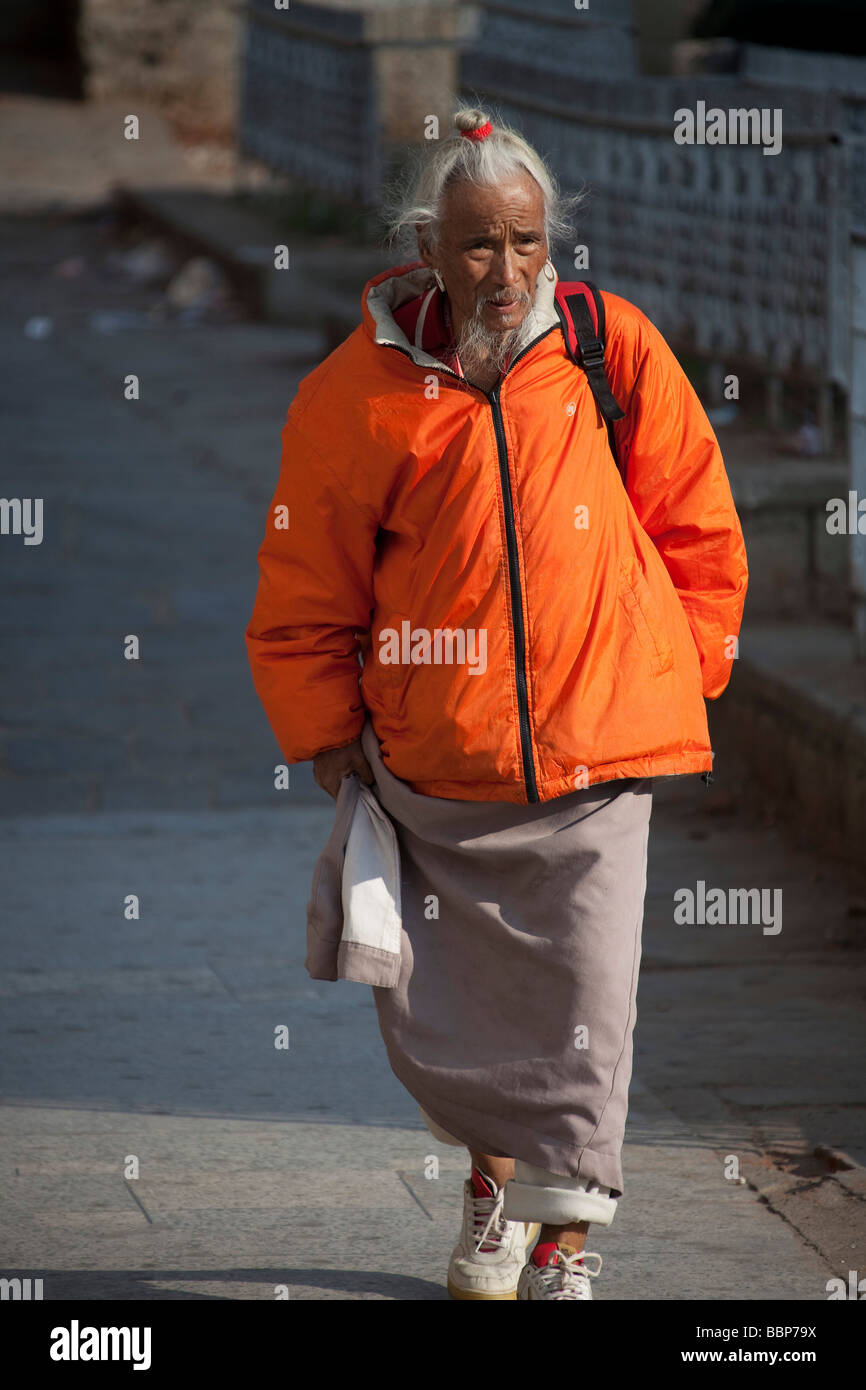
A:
{"x": 495, "y": 1227}
{"x": 566, "y": 1276}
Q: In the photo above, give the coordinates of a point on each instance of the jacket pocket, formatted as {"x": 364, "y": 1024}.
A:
{"x": 646, "y": 616}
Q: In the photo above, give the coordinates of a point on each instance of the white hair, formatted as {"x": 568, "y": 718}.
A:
{"x": 415, "y": 211}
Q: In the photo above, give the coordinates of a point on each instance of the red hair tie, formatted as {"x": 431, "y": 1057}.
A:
{"x": 480, "y": 132}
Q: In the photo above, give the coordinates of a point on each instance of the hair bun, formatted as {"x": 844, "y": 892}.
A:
{"x": 470, "y": 118}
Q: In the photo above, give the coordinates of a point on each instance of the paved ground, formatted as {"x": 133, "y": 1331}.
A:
{"x": 153, "y": 1038}
{"x": 153, "y": 512}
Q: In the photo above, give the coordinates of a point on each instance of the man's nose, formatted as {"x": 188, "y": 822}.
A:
{"x": 505, "y": 267}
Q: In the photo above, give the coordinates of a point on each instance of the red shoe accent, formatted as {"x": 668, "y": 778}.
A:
{"x": 542, "y": 1253}
{"x": 482, "y": 1186}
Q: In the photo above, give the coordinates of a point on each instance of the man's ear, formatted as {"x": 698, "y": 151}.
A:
{"x": 424, "y": 252}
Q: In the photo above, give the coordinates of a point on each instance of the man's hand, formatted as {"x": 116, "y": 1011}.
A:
{"x": 332, "y": 765}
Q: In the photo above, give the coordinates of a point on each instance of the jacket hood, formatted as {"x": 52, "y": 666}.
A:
{"x": 393, "y": 288}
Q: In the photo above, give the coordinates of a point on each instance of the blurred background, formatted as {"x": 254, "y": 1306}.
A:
{"x": 189, "y": 210}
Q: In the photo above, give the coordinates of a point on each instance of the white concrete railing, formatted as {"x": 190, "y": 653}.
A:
{"x": 731, "y": 252}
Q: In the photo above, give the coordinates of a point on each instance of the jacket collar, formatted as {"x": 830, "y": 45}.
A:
{"x": 393, "y": 288}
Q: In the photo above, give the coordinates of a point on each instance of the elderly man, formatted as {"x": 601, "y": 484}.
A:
{"x": 539, "y": 623}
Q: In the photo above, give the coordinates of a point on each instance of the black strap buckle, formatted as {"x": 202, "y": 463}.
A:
{"x": 592, "y": 353}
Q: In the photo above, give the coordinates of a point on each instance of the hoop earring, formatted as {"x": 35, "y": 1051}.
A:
{"x": 439, "y": 281}
{"x": 549, "y": 270}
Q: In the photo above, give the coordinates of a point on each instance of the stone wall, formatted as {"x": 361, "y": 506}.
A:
{"x": 333, "y": 89}
{"x": 790, "y": 734}
{"x": 180, "y": 56}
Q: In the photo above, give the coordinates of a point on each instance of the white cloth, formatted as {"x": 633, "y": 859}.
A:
{"x": 354, "y": 916}
{"x": 371, "y": 878}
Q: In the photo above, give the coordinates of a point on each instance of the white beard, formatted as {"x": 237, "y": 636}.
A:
{"x": 480, "y": 348}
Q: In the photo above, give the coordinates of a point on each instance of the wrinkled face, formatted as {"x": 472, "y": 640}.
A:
{"x": 491, "y": 248}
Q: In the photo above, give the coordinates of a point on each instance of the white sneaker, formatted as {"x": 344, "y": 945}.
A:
{"x": 491, "y": 1252}
{"x": 564, "y": 1276}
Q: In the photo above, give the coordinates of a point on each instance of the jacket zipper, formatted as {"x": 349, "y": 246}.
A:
{"x": 516, "y": 599}
{"x": 520, "y": 676}
{"x": 513, "y": 566}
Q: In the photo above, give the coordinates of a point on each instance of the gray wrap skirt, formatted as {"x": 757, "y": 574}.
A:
{"x": 511, "y": 1022}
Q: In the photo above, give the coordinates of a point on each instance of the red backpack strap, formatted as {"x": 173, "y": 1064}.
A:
{"x": 580, "y": 308}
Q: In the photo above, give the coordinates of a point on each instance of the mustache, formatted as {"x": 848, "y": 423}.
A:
{"x": 502, "y": 297}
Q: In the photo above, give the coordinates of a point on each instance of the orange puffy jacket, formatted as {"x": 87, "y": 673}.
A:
{"x": 470, "y": 569}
